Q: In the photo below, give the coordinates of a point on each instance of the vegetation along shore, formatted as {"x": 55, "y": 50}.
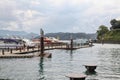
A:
{"x": 111, "y": 35}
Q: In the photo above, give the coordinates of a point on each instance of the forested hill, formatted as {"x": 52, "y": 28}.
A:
{"x": 66, "y": 36}
{"x": 111, "y": 35}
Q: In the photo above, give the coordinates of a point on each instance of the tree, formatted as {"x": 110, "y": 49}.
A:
{"x": 115, "y": 24}
{"x": 102, "y": 31}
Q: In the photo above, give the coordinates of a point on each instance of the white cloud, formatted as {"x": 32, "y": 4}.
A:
{"x": 26, "y": 14}
{"x": 6, "y": 10}
{"x": 103, "y": 7}
{"x": 12, "y": 26}
{"x": 57, "y": 3}
{"x": 75, "y": 28}
{"x": 35, "y": 2}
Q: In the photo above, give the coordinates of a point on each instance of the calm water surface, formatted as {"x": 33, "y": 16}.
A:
{"x": 63, "y": 62}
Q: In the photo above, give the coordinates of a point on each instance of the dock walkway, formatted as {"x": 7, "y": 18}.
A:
{"x": 29, "y": 53}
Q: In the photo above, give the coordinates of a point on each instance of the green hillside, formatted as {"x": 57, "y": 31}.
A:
{"x": 113, "y": 35}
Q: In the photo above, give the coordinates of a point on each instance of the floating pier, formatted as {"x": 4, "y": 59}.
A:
{"x": 76, "y": 76}
{"x": 17, "y": 56}
{"x": 27, "y": 52}
{"x": 90, "y": 67}
{"x": 8, "y": 52}
{"x": 47, "y": 55}
{"x": 13, "y": 53}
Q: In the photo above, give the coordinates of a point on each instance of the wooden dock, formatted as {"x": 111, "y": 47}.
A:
{"x": 22, "y": 53}
{"x": 30, "y": 53}
{"x": 16, "y": 56}
{"x": 76, "y": 76}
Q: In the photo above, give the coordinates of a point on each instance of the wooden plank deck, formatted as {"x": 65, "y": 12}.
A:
{"x": 24, "y": 53}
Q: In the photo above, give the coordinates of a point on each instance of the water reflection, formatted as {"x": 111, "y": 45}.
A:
{"x": 71, "y": 55}
{"x": 115, "y": 60}
{"x": 106, "y": 56}
{"x": 109, "y": 61}
{"x": 41, "y": 70}
{"x": 90, "y": 73}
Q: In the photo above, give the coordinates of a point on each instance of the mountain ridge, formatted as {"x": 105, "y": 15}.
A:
{"x": 67, "y": 35}
{"x": 7, "y": 33}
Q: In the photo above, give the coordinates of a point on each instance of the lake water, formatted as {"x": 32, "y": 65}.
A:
{"x": 63, "y": 62}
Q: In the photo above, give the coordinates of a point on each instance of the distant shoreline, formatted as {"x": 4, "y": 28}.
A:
{"x": 108, "y": 41}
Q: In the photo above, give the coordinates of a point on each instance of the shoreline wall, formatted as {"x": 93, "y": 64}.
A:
{"x": 108, "y": 41}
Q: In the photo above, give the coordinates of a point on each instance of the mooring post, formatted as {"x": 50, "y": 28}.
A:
{"x": 3, "y": 52}
{"x": 33, "y": 48}
{"x": 42, "y": 42}
{"x": 8, "y": 49}
{"x": 27, "y": 48}
{"x": 20, "y": 49}
{"x": 38, "y": 47}
{"x": 71, "y": 43}
{"x": 11, "y": 51}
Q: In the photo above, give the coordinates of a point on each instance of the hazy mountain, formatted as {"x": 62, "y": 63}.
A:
{"x": 31, "y": 35}
{"x": 66, "y": 36}
{"x": 7, "y": 33}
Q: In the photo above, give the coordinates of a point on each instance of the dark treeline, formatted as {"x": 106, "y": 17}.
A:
{"x": 67, "y": 36}
{"x": 115, "y": 24}
{"x": 111, "y": 35}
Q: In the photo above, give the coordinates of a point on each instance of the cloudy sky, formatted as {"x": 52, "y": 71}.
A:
{"x": 57, "y": 15}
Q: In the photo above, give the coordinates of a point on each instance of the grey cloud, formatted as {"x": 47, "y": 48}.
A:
{"x": 43, "y": 14}
{"x": 6, "y": 10}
